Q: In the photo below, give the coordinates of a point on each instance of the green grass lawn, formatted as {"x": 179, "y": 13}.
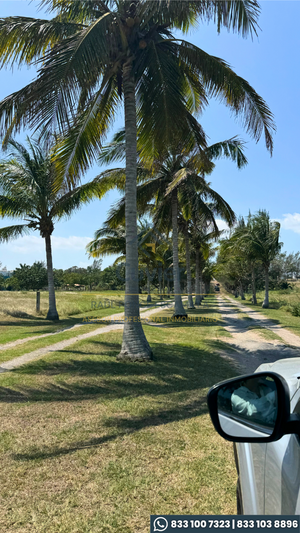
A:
{"x": 92, "y": 445}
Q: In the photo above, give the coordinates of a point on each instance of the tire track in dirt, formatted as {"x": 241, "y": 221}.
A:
{"x": 246, "y": 348}
{"x": 40, "y": 352}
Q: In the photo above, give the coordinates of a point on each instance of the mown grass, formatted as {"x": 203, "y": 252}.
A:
{"x": 30, "y": 346}
{"x": 92, "y": 445}
{"x": 19, "y": 320}
{"x": 24, "y": 328}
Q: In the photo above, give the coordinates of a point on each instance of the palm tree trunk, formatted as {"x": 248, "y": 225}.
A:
{"x": 265, "y": 303}
{"x": 159, "y": 281}
{"x": 197, "y": 281}
{"x": 188, "y": 269}
{"x": 148, "y": 284}
{"x": 254, "y": 299}
{"x": 168, "y": 284}
{"x": 135, "y": 346}
{"x": 242, "y": 292}
{"x": 38, "y": 301}
{"x": 179, "y": 309}
{"x": 52, "y": 311}
{"x": 201, "y": 284}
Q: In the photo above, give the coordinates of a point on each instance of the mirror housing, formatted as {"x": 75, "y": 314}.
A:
{"x": 252, "y": 408}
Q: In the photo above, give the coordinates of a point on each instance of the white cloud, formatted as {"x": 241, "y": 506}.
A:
{"x": 290, "y": 222}
{"x": 31, "y": 243}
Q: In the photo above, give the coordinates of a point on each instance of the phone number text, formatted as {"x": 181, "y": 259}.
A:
{"x": 234, "y": 524}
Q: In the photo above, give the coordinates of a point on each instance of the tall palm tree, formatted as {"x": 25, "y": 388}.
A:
{"x": 263, "y": 234}
{"x": 201, "y": 236}
{"x": 256, "y": 241}
{"x": 94, "y": 53}
{"x": 243, "y": 247}
{"x": 175, "y": 185}
{"x": 178, "y": 187}
{"x": 29, "y": 190}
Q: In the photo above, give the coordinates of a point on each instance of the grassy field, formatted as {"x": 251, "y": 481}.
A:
{"x": 21, "y": 304}
{"x": 92, "y": 445}
{"x": 18, "y": 318}
{"x": 281, "y": 304}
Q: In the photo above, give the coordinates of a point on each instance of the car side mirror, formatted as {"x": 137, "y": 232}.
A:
{"x": 252, "y": 408}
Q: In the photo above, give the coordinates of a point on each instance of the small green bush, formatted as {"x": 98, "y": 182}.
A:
{"x": 294, "y": 309}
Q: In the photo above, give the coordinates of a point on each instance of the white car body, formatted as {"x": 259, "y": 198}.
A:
{"x": 269, "y": 473}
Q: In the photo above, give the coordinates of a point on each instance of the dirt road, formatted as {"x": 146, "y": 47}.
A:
{"x": 247, "y": 347}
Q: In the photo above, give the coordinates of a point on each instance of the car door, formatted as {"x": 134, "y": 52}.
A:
{"x": 282, "y": 472}
{"x": 251, "y": 465}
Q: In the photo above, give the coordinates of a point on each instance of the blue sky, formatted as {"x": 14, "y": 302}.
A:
{"x": 269, "y": 63}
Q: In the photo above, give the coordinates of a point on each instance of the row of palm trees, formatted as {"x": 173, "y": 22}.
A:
{"x": 174, "y": 192}
{"x": 253, "y": 241}
{"x": 94, "y": 56}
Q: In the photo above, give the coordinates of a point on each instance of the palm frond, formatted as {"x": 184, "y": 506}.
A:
{"x": 178, "y": 178}
{"x": 232, "y": 149}
{"x": 221, "y": 82}
{"x": 240, "y": 16}
{"x": 162, "y": 100}
{"x": 13, "y": 207}
{"x": 77, "y": 10}
{"x": 74, "y": 199}
{"x": 83, "y": 143}
{"x": 114, "y": 151}
{"x": 13, "y": 232}
{"x": 116, "y": 215}
{"x": 25, "y": 39}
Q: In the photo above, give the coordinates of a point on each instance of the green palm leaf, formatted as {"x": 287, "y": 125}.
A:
{"x": 24, "y": 39}
{"x": 221, "y": 82}
{"x": 13, "y": 232}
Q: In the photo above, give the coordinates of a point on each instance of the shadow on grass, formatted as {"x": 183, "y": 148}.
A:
{"x": 123, "y": 427}
{"x": 181, "y": 374}
{"x": 178, "y": 368}
{"x": 35, "y": 321}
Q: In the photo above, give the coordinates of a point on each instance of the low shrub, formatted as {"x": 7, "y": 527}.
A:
{"x": 294, "y": 309}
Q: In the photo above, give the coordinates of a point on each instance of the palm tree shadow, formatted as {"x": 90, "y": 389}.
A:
{"x": 188, "y": 372}
{"x": 122, "y": 427}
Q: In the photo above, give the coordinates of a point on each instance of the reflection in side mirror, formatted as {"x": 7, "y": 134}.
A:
{"x": 248, "y": 407}
{"x": 252, "y": 408}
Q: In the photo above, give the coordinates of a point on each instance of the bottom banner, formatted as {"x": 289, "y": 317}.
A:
{"x": 213, "y": 523}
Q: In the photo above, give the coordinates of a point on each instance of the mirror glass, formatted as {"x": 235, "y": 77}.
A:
{"x": 248, "y": 407}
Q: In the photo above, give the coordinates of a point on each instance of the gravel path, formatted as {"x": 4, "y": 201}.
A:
{"x": 31, "y": 356}
{"x": 248, "y": 350}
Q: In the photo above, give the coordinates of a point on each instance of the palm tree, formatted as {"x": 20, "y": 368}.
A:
{"x": 233, "y": 266}
{"x": 29, "y": 190}
{"x": 244, "y": 249}
{"x": 109, "y": 240}
{"x": 92, "y": 54}
{"x": 187, "y": 237}
{"x": 264, "y": 237}
{"x": 175, "y": 185}
{"x": 256, "y": 241}
{"x": 201, "y": 249}
{"x": 178, "y": 187}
